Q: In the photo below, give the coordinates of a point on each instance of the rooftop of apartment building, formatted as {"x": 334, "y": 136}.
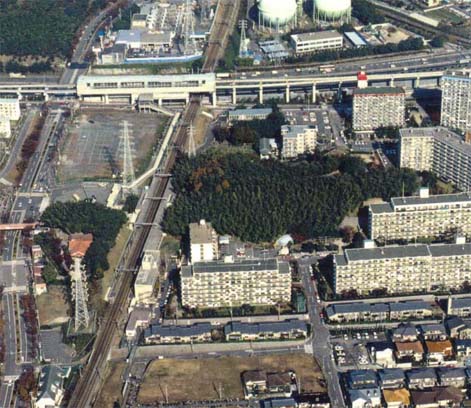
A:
{"x": 231, "y": 265}
{"x": 463, "y": 74}
{"x": 398, "y": 203}
{"x": 402, "y": 251}
{"x": 440, "y": 134}
{"x": 293, "y": 131}
{"x": 379, "y": 90}
{"x": 201, "y": 232}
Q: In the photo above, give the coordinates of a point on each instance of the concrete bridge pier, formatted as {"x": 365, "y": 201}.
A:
{"x": 314, "y": 92}
{"x": 416, "y": 83}
{"x": 214, "y": 99}
{"x": 391, "y": 82}
{"x": 234, "y": 95}
{"x": 287, "y": 96}
{"x": 260, "y": 94}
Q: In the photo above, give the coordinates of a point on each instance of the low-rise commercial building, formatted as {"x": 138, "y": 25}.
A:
{"x": 281, "y": 330}
{"x": 196, "y": 333}
{"x": 51, "y": 386}
{"x": 232, "y": 282}
{"x": 307, "y": 43}
{"x": 426, "y": 216}
{"x": 298, "y": 139}
{"x": 375, "y": 107}
{"x": 243, "y": 115}
{"x": 403, "y": 269}
{"x": 438, "y": 150}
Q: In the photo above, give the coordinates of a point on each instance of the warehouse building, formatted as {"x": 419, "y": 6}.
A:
{"x": 308, "y": 43}
{"x": 438, "y": 150}
{"x": 231, "y": 282}
{"x": 403, "y": 269}
{"x": 422, "y": 216}
{"x": 375, "y": 107}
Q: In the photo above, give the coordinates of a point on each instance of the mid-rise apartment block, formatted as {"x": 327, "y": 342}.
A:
{"x": 438, "y": 150}
{"x": 456, "y": 100}
{"x": 10, "y": 108}
{"x": 403, "y": 269}
{"x": 231, "y": 282}
{"x": 375, "y": 107}
{"x": 422, "y": 216}
{"x": 297, "y": 139}
{"x": 203, "y": 242}
{"x": 308, "y": 43}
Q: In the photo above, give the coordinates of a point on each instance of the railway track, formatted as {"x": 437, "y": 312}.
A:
{"x": 226, "y": 15}
{"x": 92, "y": 376}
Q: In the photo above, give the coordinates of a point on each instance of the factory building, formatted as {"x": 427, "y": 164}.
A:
{"x": 10, "y": 108}
{"x": 308, "y": 43}
{"x": 297, "y": 139}
{"x": 438, "y": 150}
{"x": 375, "y": 107}
{"x": 403, "y": 269}
{"x": 422, "y": 216}
{"x": 456, "y": 101}
{"x": 231, "y": 282}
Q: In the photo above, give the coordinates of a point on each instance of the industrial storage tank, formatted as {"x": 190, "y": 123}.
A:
{"x": 332, "y": 10}
{"x": 276, "y": 13}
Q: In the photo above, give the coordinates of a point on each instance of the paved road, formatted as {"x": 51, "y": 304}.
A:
{"x": 6, "y": 394}
{"x": 321, "y": 347}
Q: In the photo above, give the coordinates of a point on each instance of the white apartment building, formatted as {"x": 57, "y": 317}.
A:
{"x": 438, "y": 150}
{"x": 297, "y": 139}
{"x": 5, "y": 127}
{"x": 375, "y": 107}
{"x": 307, "y": 43}
{"x": 234, "y": 283}
{"x": 403, "y": 269}
{"x": 10, "y": 108}
{"x": 203, "y": 242}
{"x": 423, "y": 216}
{"x": 456, "y": 100}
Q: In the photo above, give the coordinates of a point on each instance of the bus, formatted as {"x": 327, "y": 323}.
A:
{"x": 327, "y": 68}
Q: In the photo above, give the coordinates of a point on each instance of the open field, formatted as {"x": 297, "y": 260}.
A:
{"x": 200, "y": 379}
{"x": 444, "y": 16}
{"x": 92, "y": 148}
{"x": 53, "y": 306}
{"x": 111, "y": 390}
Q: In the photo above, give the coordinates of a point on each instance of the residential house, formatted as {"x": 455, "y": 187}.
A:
{"x": 452, "y": 377}
{"x": 437, "y": 398}
{"x": 255, "y": 383}
{"x": 458, "y": 329}
{"x": 267, "y": 148}
{"x": 459, "y": 306}
{"x": 462, "y": 348}
{"x": 439, "y": 351}
{"x": 196, "y": 333}
{"x": 79, "y": 244}
{"x": 280, "y": 330}
{"x": 420, "y": 378}
{"x": 397, "y": 398}
{"x": 405, "y": 332}
{"x": 278, "y": 403}
{"x": 314, "y": 400}
{"x": 50, "y": 387}
{"x": 392, "y": 378}
{"x": 382, "y": 353}
{"x": 365, "y": 397}
{"x": 433, "y": 332}
{"x": 281, "y": 384}
{"x": 362, "y": 379}
{"x": 357, "y": 312}
{"x": 409, "y": 351}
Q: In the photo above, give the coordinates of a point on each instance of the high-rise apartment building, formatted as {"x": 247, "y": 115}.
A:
{"x": 231, "y": 282}
{"x": 297, "y": 139}
{"x": 423, "y": 216}
{"x": 403, "y": 269}
{"x": 456, "y": 100}
{"x": 438, "y": 150}
{"x": 375, "y": 107}
{"x": 203, "y": 242}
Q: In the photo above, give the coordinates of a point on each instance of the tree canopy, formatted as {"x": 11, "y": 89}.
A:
{"x": 260, "y": 200}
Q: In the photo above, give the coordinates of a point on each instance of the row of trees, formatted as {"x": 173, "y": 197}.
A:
{"x": 42, "y": 27}
{"x": 87, "y": 217}
{"x": 33, "y": 68}
{"x": 260, "y": 200}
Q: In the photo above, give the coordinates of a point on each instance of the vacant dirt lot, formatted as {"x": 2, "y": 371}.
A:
{"x": 113, "y": 383}
{"x": 93, "y": 146}
{"x": 53, "y": 306}
{"x": 201, "y": 379}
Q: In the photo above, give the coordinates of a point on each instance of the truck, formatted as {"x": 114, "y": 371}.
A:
{"x": 16, "y": 75}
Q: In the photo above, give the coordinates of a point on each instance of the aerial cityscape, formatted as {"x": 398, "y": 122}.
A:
{"x": 235, "y": 203}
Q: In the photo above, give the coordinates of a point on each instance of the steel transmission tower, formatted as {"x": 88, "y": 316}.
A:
{"x": 191, "y": 141}
{"x": 243, "y": 38}
{"x": 128, "y": 175}
{"x": 80, "y": 294}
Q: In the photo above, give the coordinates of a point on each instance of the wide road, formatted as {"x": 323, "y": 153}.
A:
{"x": 321, "y": 346}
